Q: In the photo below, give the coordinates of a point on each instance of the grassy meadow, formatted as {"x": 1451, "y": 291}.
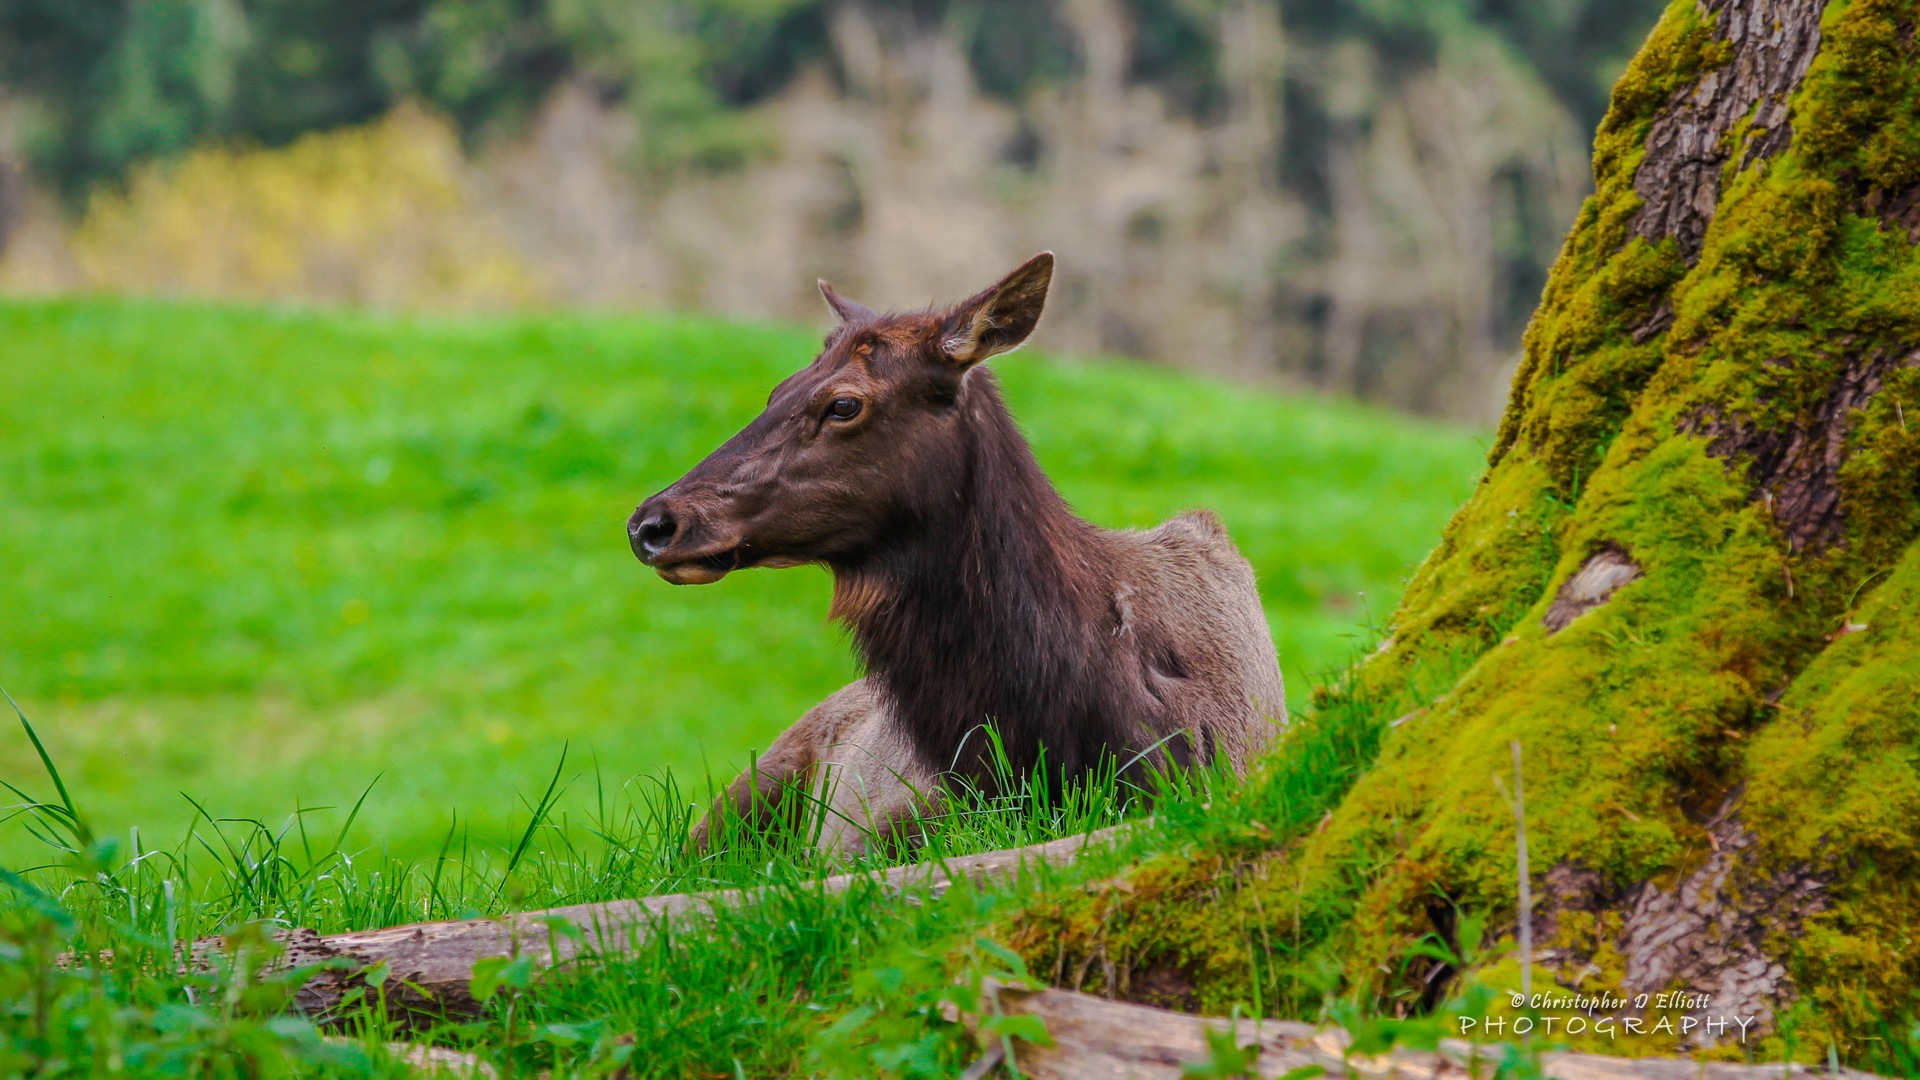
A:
{"x": 262, "y": 557}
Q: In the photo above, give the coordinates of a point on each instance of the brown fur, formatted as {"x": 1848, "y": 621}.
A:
{"x": 973, "y": 594}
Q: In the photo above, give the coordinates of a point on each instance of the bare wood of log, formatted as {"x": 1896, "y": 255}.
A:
{"x": 1097, "y": 1039}
{"x": 430, "y": 965}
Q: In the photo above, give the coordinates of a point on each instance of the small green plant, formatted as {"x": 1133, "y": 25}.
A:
{"x": 911, "y": 1005}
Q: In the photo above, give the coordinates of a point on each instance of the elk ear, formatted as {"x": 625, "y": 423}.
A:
{"x": 844, "y": 309}
{"x": 1000, "y": 318}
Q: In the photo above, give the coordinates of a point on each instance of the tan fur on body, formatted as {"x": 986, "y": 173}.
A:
{"x": 854, "y": 766}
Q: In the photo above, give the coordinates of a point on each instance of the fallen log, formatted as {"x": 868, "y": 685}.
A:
{"x": 1097, "y": 1039}
{"x": 429, "y": 966}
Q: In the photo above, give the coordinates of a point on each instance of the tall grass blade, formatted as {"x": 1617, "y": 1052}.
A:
{"x": 355, "y": 812}
{"x": 83, "y": 834}
{"x": 539, "y": 818}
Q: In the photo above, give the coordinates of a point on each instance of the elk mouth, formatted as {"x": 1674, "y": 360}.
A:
{"x": 704, "y": 570}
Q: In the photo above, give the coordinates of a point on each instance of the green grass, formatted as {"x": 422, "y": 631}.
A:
{"x": 803, "y": 979}
{"x": 263, "y": 557}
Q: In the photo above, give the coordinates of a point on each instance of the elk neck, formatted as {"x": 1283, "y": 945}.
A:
{"x": 989, "y": 604}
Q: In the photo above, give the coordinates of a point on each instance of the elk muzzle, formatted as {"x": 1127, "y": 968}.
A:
{"x": 676, "y": 543}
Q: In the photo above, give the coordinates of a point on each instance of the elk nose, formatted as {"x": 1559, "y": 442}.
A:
{"x": 649, "y": 532}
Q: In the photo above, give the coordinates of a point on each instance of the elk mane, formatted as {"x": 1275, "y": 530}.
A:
{"x": 990, "y": 606}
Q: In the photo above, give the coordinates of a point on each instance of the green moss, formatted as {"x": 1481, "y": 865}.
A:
{"x": 1860, "y": 110}
{"x": 1834, "y": 784}
{"x": 1492, "y": 562}
{"x": 1877, "y": 479}
{"x": 1588, "y": 299}
{"x": 1580, "y": 372}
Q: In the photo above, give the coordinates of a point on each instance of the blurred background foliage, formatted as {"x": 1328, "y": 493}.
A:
{"x": 368, "y": 213}
{"x": 1356, "y": 195}
{"x": 115, "y": 81}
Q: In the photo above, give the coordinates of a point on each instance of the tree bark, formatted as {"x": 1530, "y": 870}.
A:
{"x": 1687, "y": 584}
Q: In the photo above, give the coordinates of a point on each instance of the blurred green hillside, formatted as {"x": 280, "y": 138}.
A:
{"x": 260, "y": 557}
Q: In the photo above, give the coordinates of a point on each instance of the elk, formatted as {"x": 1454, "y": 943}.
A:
{"x": 972, "y": 593}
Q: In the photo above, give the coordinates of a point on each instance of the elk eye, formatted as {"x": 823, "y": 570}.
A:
{"x": 844, "y": 408}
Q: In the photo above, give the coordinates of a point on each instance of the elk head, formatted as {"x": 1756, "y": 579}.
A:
{"x": 851, "y": 450}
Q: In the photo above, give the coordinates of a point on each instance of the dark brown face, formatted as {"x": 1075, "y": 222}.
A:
{"x": 847, "y": 447}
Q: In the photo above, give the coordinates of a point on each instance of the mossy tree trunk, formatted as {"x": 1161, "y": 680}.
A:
{"x": 1687, "y": 586}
